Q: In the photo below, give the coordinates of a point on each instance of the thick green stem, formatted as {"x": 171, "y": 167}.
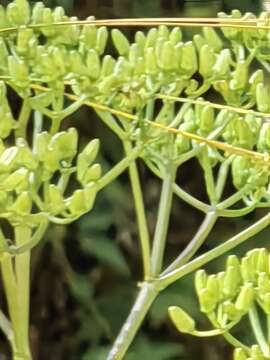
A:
{"x": 22, "y": 273}
{"x": 138, "y": 312}
{"x": 162, "y": 221}
{"x": 16, "y": 277}
{"x": 140, "y": 212}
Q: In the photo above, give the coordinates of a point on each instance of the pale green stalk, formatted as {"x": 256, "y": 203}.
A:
{"x": 163, "y": 217}
{"x": 140, "y": 212}
{"x": 257, "y": 330}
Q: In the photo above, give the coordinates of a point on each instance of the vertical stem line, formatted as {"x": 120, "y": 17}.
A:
{"x": 138, "y": 312}
{"x": 162, "y": 220}
{"x": 140, "y": 212}
{"x": 22, "y": 272}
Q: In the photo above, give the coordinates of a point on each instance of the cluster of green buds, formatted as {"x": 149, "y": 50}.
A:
{"x": 229, "y": 295}
{"x": 34, "y": 177}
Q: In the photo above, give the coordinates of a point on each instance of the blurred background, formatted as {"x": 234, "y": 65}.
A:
{"x": 85, "y": 276}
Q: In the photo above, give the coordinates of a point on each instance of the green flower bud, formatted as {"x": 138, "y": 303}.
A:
{"x": 133, "y": 55}
{"x": 64, "y": 144}
{"x": 8, "y": 159}
{"x": 108, "y": 64}
{"x": 245, "y": 298}
{"x": 239, "y": 354}
{"x": 17, "y": 179}
{"x": 208, "y": 302}
{"x": 262, "y": 98}
{"x": 25, "y": 156}
{"x": 89, "y": 35}
{"x": 263, "y": 284}
{"x": 18, "y": 70}
{"x": 207, "y": 120}
{"x": 55, "y": 200}
{"x": 163, "y": 31}
{"x": 256, "y": 353}
{"x": 232, "y": 281}
{"x": 121, "y": 43}
{"x": 76, "y": 64}
{"x": 176, "y": 35}
{"x": 212, "y": 38}
{"x": 263, "y": 143}
{"x": 240, "y": 76}
{"x": 7, "y": 123}
{"x": 199, "y": 41}
{"x": 200, "y": 280}
{"x": 213, "y": 286}
{"x": 41, "y": 145}
{"x": 167, "y": 57}
{"x": 107, "y": 85}
{"x": 189, "y": 62}
{"x": 256, "y": 78}
{"x": 140, "y": 40}
{"x": 240, "y": 171}
{"x": 86, "y": 158}
{"x": 25, "y": 42}
{"x": 151, "y": 38}
{"x": 93, "y": 173}
{"x": 247, "y": 271}
{"x": 243, "y": 134}
{"x": 263, "y": 261}
{"x": 222, "y": 67}
{"x": 229, "y": 309}
{"x": 47, "y": 19}
{"x": 182, "y": 321}
{"x": 102, "y": 38}
{"x": 122, "y": 68}
{"x": 207, "y": 60}
{"x": 140, "y": 66}
{"x": 233, "y": 260}
{"x": 18, "y": 12}
{"x": 23, "y": 204}
{"x": 77, "y": 203}
{"x": 37, "y": 13}
{"x": 93, "y": 64}
{"x": 150, "y": 62}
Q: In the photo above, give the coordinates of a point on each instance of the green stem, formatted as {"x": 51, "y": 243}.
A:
{"x": 257, "y": 330}
{"x": 140, "y": 212}
{"x": 22, "y": 271}
{"x": 195, "y": 264}
{"x": 23, "y": 119}
{"x": 109, "y": 120}
{"x": 195, "y": 243}
{"x": 162, "y": 220}
{"x": 119, "y": 168}
{"x": 138, "y": 312}
{"x": 235, "y": 342}
{"x": 16, "y": 278}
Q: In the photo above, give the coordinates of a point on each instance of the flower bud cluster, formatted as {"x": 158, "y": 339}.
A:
{"x": 47, "y": 165}
{"x": 227, "y": 296}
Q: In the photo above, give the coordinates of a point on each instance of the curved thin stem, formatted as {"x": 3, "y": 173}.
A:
{"x": 195, "y": 264}
{"x": 194, "y": 244}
